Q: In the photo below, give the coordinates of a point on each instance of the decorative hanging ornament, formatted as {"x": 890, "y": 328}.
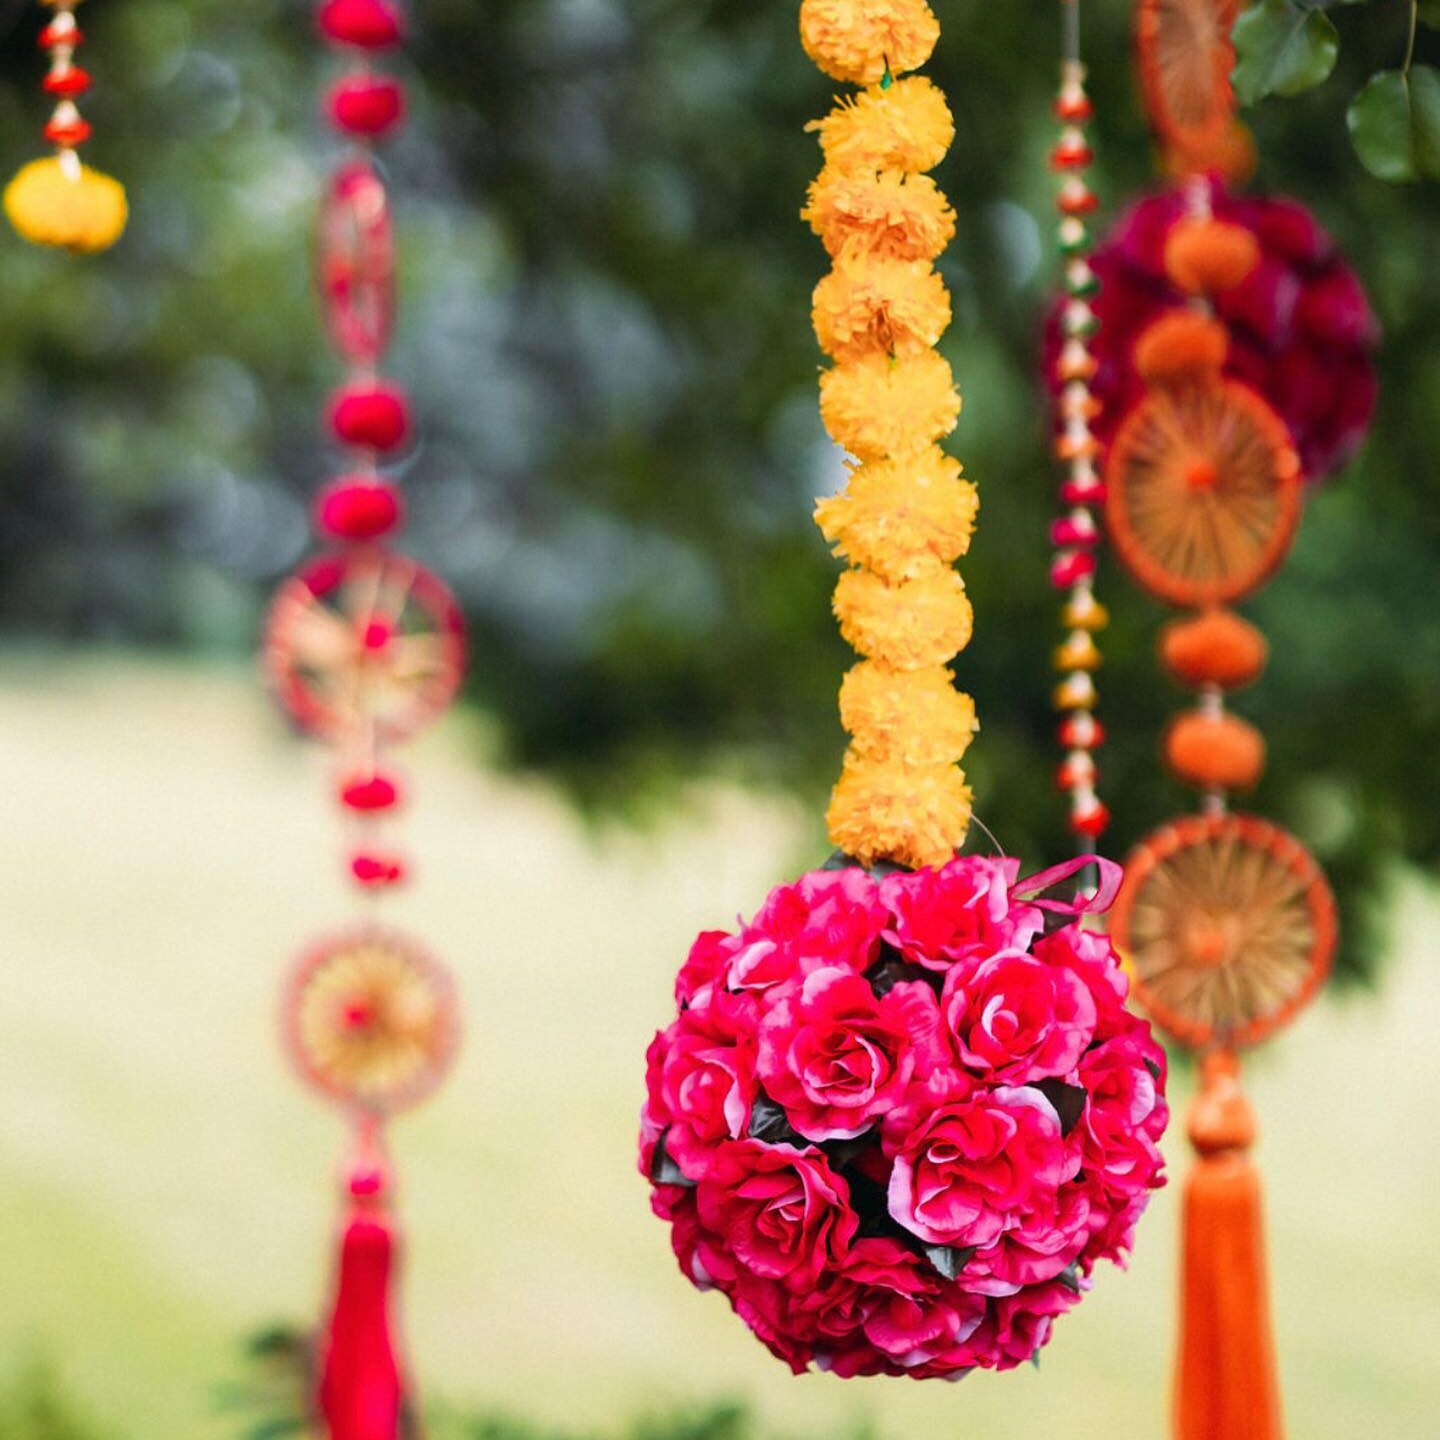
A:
{"x": 1075, "y": 533}
{"x": 1300, "y": 330}
{"x": 902, "y": 1113}
{"x": 1226, "y": 921}
{"x": 363, "y": 648}
{"x": 58, "y": 200}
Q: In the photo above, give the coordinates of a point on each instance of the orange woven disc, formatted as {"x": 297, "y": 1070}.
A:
{"x": 1185, "y": 59}
{"x": 371, "y": 1020}
{"x": 1204, "y": 492}
{"x": 1228, "y": 926}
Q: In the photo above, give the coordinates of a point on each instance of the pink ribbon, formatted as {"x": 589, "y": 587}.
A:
{"x": 1110, "y": 876}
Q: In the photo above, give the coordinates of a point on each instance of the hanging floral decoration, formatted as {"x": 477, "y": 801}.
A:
{"x": 902, "y": 1113}
{"x": 1075, "y": 533}
{"x": 58, "y": 200}
{"x": 1225, "y": 319}
{"x": 1300, "y": 329}
{"x": 364, "y": 648}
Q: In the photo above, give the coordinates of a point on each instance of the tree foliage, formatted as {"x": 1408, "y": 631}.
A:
{"x": 606, "y": 322}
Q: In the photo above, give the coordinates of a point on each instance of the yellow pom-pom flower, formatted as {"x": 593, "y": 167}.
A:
{"x": 907, "y": 127}
{"x": 912, "y": 815}
{"x": 897, "y": 517}
{"x": 908, "y": 626}
{"x": 914, "y": 717}
{"x": 72, "y": 207}
{"x": 878, "y": 407}
{"x": 885, "y": 213}
{"x": 864, "y": 40}
{"x": 866, "y": 306}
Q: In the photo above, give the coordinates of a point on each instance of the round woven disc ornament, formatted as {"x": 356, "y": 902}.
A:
{"x": 355, "y": 263}
{"x": 1185, "y": 59}
{"x": 1228, "y": 925}
{"x": 371, "y": 1020}
{"x": 1204, "y": 492}
{"x": 365, "y": 643}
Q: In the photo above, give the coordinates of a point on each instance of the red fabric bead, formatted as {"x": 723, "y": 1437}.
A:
{"x": 362, "y": 105}
{"x": 366, "y": 24}
{"x": 1083, "y": 491}
{"x": 1069, "y": 530}
{"x": 1071, "y": 566}
{"x": 1075, "y": 771}
{"x": 359, "y": 508}
{"x": 60, "y": 33}
{"x": 75, "y": 132}
{"x": 74, "y": 81}
{"x": 370, "y": 793}
{"x": 377, "y": 870}
{"x": 1081, "y": 731}
{"x": 370, "y": 415}
{"x": 1073, "y": 106}
{"x": 1071, "y": 155}
{"x": 1091, "y": 820}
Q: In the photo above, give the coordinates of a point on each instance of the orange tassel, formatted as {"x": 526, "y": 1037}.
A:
{"x": 1227, "y": 1386}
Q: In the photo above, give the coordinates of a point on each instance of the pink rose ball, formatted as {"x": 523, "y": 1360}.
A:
{"x": 898, "y": 1119}
{"x": 1301, "y": 329}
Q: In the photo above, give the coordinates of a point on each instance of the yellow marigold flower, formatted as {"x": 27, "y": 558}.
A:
{"x": 911, "y": 815}
{"x": 861, "y": 40}
{"x": 908, "y": 626}
{"x": 897, "y": 517}
{"x": 877, "y": 407}
{"x": 906, "y": 127}
{"x": 83, "y": 210}
{"x": 866, "y": 306}
{"x": 886, "y": 213}
{"x": 914, "y": 717}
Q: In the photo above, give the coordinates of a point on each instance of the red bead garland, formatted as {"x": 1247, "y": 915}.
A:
{"x": 364, "y": 647}
{"x": 1075, "y": 535}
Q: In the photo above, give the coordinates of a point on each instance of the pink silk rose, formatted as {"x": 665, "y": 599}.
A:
{"x": 784, "y": 1212}
{"x": 837, "y": 1057}
{"x": 963, "y": 909}
{"x": 1015, "y": 1018}
{"x": 970, "y": 1166}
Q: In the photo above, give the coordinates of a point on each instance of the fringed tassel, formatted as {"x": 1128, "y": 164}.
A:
{"x": 1227, "y": 1385}
{"x": 361, "y": 1393}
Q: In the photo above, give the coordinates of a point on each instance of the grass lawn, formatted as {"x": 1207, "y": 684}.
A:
{"x": 165, "y": 1186}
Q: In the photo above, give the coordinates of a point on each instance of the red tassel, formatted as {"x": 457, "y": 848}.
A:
{"x": 1227, "y": 1385}
{"x": 361, "y": 1394}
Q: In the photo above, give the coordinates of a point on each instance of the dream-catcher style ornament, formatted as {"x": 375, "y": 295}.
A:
{"x": 902, "y": 1113}
{"x": 1075, "y": 533}
{"x": 1226, "y": 921}
{"x": 1301, "y": 332}
{"x": 58, "y": 200}
{"x": 364, "y": 648}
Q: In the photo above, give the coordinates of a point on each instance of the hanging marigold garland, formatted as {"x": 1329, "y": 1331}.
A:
{"x": 364, "y": 648}
{"x": 1075, "y": 534}
{"x": 1227, "y": 922}
{"x": 902, "y": 1113}
{"x": 58, "y": 200}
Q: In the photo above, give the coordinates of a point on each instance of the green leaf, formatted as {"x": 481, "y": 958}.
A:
{"x": 1395, "y": 124}
{"x": 1425, "y": 118}
{"x": 1282, "y": 49}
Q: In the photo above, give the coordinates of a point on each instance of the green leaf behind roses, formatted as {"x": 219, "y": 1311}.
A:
{"x": 1282, "y": 49}
{"x": 1395, "y": 124}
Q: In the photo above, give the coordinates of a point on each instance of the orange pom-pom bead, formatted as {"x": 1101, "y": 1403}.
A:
{"x": 1179, "y": 345}
{"x": 1213, "y": 648}
{"x": 1220, "y": 752}
{"x": 1205, "y": 256}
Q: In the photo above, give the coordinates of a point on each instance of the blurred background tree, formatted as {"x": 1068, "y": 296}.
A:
{"x": 606, "y": 322}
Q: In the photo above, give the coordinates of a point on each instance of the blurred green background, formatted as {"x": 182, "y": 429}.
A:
{"x": 605, "y": 323}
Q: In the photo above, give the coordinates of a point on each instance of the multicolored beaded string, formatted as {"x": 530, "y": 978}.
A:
{"x": 1075, "y": 534}
{"x": 363, "y": 648}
